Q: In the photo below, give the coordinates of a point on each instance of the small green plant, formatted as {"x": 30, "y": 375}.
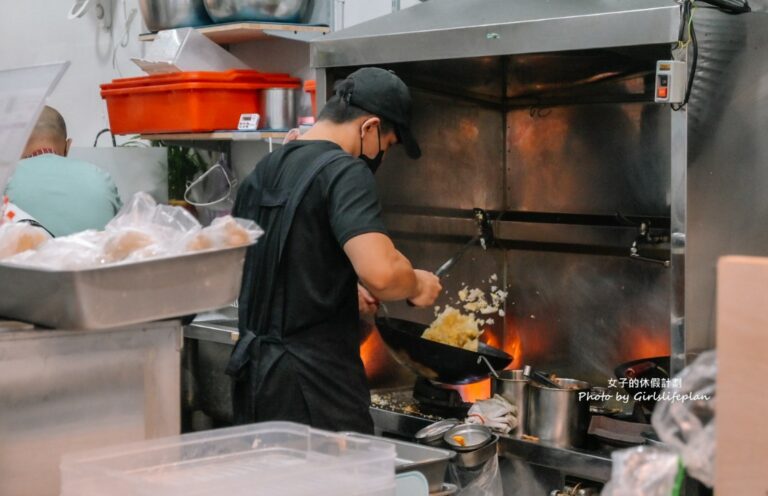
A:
{"x": 183, "y": 165}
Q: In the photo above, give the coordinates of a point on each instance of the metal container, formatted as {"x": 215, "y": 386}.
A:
{"x": 557, "y": 416}
{"x": 474, "y": 437}
{"x": 172, "y": 14}
{"x": 432, "y": 435}
{"x": 122, "y": 294}
{"x": 278, "y": 108}
{"x": 68, "y": 390}
{"x": 257, "y": 10}
{"x": 473, "y": 459}
{"x": 205, "y": 386}
{"x": 409, "y": 457}
{"x": 512, "y": 385}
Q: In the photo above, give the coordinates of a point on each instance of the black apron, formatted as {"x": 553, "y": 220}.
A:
{"x": 276, "y": 376}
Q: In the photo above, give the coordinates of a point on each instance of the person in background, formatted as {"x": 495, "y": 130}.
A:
{"x": 63, "y": 194}
{"x": 298, "y": 354}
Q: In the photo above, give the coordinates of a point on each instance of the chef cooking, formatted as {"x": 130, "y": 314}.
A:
{"x": 548, "y": 214}
{"x": 298, "y": 356}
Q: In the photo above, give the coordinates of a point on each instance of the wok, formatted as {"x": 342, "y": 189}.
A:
{"x": 436, "y": 361}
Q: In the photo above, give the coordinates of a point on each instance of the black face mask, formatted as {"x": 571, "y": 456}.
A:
{"x": 375, "y": 162}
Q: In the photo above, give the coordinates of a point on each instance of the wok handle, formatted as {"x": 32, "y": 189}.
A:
{"x": 481, "y": 358}
{"x": 639, "y": 369}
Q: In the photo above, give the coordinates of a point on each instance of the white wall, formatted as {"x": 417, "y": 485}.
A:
{"x": 357, "y": 11}
{"x": 37, "y": 31}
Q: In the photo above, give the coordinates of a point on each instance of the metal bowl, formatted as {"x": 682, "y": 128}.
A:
{"x": 433, "y": 434}
{"x": 473, "y": 459}
{"x": 475, "y": 437}
{"x": 172, "y": 14}
{"x": 257, "y": 10}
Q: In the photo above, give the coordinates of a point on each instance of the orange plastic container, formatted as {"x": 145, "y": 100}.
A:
{"x": 232, "y": 76}
{"x": 187, "y": 102}
{"x": 310, "y": 87}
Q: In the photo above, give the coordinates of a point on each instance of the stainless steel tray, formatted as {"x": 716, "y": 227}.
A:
{"x": 122, "y": 294}
{"x": 431, "y": 462}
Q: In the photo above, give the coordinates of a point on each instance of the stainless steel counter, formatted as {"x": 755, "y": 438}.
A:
{"x": 63, "y": 391}
{"x": 594, "y": 466}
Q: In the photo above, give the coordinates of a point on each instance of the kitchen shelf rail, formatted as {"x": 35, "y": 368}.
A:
{"x": 276, "y": 136}
{"x": 241, "y": 32}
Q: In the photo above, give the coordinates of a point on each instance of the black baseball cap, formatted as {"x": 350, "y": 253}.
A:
{"x": 385, "y": 95}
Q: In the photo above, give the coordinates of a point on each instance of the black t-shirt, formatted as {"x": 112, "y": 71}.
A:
{"x": 318, "y": 286}
{"x": 340, "y": 204}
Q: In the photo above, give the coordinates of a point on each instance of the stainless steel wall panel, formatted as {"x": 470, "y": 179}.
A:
{"x": 449, "y": 29}
{"x": 589, "y": 159}
{"x": 462, "y": 162}
{"x": 576, "y": 315}
{"x": 581, "y": 315}
{"x": 728, "y": 170}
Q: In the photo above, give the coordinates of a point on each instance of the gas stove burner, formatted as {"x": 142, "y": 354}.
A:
{"x": 436, "y": 399}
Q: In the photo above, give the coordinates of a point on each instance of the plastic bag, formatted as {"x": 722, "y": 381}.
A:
{"x": 644, "y": 471}
{"x": 225, "y": 232}
{"x": 18, "y": 238}
{"x": 496, "y": 413}
{"x": 79, "y": 251}
{"x": 686, "y": 421}
{"x": 141, "y": 230}
{"x": 484, "y": 480}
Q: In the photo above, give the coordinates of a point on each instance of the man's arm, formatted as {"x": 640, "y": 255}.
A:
{"x": 387, "y": 274}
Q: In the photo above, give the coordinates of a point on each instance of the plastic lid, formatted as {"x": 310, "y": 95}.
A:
{"x": 22, "y": 95}
{"x": 232, "y": 76}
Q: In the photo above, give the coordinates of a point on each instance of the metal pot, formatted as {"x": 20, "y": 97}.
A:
{"x": 557, "y": 416}
{"x": 257, "y": 10}
{"x": 512, "y": 385}
{"x": 472, "y": 459}
{"x": 172, "y": 14}
{"x": 278, "y": 108}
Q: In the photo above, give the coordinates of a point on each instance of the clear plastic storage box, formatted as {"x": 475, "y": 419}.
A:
{"x": 273, "y": 458}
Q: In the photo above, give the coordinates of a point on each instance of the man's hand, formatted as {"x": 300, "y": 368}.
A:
{"x": 366, "y": 302}
{"x": 428, "y": 288}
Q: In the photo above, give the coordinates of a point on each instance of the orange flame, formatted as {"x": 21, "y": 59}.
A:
{"x": 476, "y": 391}
{"x": 643, "y": 343}
{"x": 374, "y": 354}
{"x": 513, "y": 345}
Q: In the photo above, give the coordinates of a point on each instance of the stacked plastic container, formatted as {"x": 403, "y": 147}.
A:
{"x": 255, "y": 460}
{"x": 187, "y": 102}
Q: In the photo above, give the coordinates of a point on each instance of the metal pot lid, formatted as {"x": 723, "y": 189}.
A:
{"x": 435, "y": 431}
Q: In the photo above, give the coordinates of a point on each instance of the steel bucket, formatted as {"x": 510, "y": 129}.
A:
{"x": 512, "y": 385}
{"x": 559, "y": 417}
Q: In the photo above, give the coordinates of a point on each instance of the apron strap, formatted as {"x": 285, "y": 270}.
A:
{"x": 245, "y": 350}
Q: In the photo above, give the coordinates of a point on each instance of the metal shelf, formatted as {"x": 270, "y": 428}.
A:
{"x": 218, "y": 136}
{"x": 241, "y": 32}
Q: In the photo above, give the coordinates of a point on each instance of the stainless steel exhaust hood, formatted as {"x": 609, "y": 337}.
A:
{"x": 448, "y": 29}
